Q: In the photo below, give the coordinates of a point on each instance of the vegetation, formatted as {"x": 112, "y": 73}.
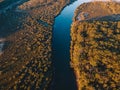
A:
{"x": 95, "y": 51}
{"x": 26, "y": 62}
{"x": 97, "y": 10}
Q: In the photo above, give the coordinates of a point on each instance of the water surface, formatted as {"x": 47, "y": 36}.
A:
{"x": 64, "y": 77}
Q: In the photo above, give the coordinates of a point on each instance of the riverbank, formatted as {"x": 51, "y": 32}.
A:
{"x": 26, "y": 62}
{"x": 61, "y": 51}
{"x": 94, "y": 57}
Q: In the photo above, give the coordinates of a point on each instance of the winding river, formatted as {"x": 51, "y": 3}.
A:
{"x": 64, "y": 78}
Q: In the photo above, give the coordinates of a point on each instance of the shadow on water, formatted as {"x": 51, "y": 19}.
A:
{"x": 10, "y": 22}
{"x": 6, "y": 3}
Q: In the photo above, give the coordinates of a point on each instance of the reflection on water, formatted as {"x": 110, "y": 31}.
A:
{"x": 64, "y": 77}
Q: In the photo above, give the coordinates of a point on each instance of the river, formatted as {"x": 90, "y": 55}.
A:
{"x": 64, "y": 78}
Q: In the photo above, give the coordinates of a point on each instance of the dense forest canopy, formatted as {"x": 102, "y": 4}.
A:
{"x": 95, "y": 51}
{"x": 26, "y": 62}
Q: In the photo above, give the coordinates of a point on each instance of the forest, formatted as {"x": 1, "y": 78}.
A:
{"x": 95, "y": 51}
{"x": 26, "y": 63}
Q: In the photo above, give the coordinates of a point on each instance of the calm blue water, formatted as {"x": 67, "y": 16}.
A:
{"x": 64, "y": 77}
